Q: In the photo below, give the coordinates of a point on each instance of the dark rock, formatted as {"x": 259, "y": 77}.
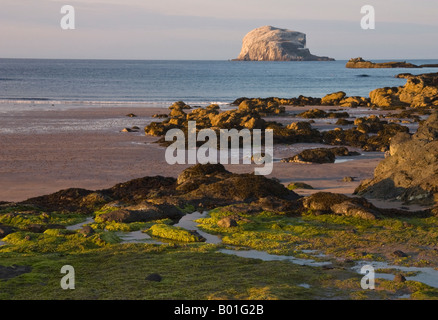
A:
{"x": 7, "y": 273}
{"x": 400, "y": 254}
{"x": 332, "y": 203}
{"x": 200, "y": 171}
{"x": 408, "y": 173}
{"x": 154, "y": 277}
{"x": 36, "y": 228}
{"x": 5, "y": 230}
{"x": 319, "y": 155}
{"x": 131, "y": 115}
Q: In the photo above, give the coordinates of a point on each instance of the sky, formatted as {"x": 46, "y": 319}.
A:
{"x": 214, "y": 29}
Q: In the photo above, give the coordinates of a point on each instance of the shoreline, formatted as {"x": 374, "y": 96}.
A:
{"x": 84, "y": 148}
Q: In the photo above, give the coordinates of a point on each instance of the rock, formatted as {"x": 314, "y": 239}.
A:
{"x": 348, "y": 208}
{"x": 399, "y": 278}
{"x": 218, "y": 188}
{"x": 87, "y": 231}
{"x": 319, "y": 155}
{"x": 400, "y": 254}
{"x": 131, "y": 115}
{"x": 142, "y": 213}
{"x": 126, "y": 130}
{"x": 154, "y": 277}
{"x": 313, "y": 113}
{"x": 348, "y": 179}
{"x": 333, "y": 98}
{"x": 353, "y": 102}
{"x": 273, "y": 44}
{"x": 360, "y": 63}
{"x": 344, "y": 122}
{"x": 332, "y": 203}
{"x": 419, "y": 91}
{"x": 409, "y": 171}
{"x": 299, "y": 185}
{"x": 160, "y": 116}
{"x": 200, "y": 171}
{"x": 227, "y": 222}
{"x": 5, "y": 230}
{"x": 36, "y": 228}
{"x": 300, "y": 126}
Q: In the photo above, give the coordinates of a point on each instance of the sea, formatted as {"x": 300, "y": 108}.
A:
{"x": 160, "y": 83}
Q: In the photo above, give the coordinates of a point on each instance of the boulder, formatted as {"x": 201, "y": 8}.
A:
{"x": 273, "y": 44}
{"x": 333, "y": 98}
{"x": 320, "y": 155}
{"x": 227, "y": 222}
{"x": 409, "y": 173}
{"x": 5, "y": 230}
{"x": 332, "y": 203}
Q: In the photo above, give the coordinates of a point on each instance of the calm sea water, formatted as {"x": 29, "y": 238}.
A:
{"x": 195, "y": 82}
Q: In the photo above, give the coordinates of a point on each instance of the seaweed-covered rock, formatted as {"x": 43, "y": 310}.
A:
{"x": 174, "y": 233}
{"x": 142, "y": 213}
{"x": 332, "y": 203}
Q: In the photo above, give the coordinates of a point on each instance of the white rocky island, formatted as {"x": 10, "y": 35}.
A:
{"x": 273, "y": 44}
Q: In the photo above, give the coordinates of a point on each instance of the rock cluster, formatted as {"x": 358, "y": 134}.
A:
{"x": 274, "y": 44}
{"x": 359, "y": 63}
{"x": 410, "y": 172}
{"x": 419, "y": 91}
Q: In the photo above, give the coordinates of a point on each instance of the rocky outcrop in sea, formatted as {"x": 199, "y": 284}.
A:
{"x": 274, "y": 44}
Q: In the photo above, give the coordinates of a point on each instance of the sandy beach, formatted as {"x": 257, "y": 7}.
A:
{"x": 44, "y": 151}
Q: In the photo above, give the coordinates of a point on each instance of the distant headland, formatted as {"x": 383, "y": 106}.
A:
{"x": 274, "y": 44}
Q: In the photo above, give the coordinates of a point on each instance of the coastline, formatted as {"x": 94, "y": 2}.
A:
{"x": 84, "y": 147}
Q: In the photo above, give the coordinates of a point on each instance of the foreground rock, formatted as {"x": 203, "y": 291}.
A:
{"x": 410, "y": 172}
{"x": 273, "y": 44}
{"x": 220, "y": 187}
{"x": 359, "y": 63}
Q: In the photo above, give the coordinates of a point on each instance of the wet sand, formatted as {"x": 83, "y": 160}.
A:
{"x": 44, "y": 151}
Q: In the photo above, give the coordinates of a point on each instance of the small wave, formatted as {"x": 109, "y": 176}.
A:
{"x": 44, "y": 101}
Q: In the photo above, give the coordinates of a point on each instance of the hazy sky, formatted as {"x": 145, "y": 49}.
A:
{"x": 213, "y": 29}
